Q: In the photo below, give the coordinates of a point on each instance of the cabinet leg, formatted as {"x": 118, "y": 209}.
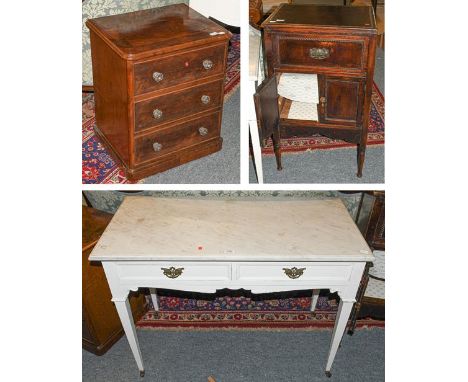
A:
{"x": 277, "y": 147}
{"x": 344, "y": 310}
{"x": 154, "y": 298}
{"x": 315, "y": 296}
{"x": 125, "y": 313}
{"x": 361, "y": 154}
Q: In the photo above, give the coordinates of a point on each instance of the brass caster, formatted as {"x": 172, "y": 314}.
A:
{"x": 328, "y": 374}
{"x": 142, "y": 373}
{"x": 359, "y": 174}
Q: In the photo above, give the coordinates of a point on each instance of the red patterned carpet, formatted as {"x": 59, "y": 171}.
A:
{"x": 243, "y": 312}
{"x": 97, "y": 165}
{"x": 375, "y": 135}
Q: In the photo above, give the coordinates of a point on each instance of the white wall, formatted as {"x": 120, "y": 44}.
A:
{"x": 227, "y": 11}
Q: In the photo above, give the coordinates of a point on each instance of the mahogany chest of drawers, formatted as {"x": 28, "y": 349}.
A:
{"x": 159, "y": 82}
{"x": 335, "y": 43}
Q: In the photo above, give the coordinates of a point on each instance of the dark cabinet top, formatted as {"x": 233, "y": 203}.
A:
{"x": 322, "y": 15}
{"x": 94, "y": 222}
{"x": 158, "y": 30}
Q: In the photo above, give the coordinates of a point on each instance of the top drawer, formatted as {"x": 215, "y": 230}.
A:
{"x": 179, "y": 68}
{"x": 330, "y": 53}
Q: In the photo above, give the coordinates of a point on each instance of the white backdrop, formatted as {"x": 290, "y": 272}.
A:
{"x": 227, "y": 11}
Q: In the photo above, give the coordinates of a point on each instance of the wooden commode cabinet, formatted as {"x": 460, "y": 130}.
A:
{"x": 101, "y": 326}
{"x": 334, "y": 47}
{"x": 159, "y": 84}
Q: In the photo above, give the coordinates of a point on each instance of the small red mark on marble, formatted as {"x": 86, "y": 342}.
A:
{"x": 200, "y": 248}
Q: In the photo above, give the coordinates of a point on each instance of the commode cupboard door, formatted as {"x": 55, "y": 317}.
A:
{"x": 341, "y": 100}
{"x": 266, "y": 108}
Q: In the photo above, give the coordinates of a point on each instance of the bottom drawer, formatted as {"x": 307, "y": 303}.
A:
{"x": 164, "y": 141}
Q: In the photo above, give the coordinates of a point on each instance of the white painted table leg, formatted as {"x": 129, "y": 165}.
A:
{"x": 154, "y": 298}
{"x": 342, "y": 316}
{"x": 125, "y": 313}
{"x": 315, "y": 296}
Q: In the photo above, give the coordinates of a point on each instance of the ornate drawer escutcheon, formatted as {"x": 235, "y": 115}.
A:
{"x": 205, "y": 99}
{"x": 319, "y": 53}
{"x": 203, "y": 130}
{"x": 294, "y": 273}
{"x": 157, "y": 146}
{"x": 172, "y": 272}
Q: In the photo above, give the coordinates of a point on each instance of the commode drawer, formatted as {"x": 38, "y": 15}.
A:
{"x": 164, "y": 141}
{"x": 180, "y": 104}
{"x": 329, "y": 53}
{"x": 292, "y": 271}
{"x": 179, "y": 68}
{"x": 177, "y": 271}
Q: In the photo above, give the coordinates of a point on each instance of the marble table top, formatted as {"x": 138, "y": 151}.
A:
{"x": 150, "y": 228}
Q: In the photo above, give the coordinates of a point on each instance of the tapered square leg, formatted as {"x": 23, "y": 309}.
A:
{"x": 154, "y": 298}
{"x": 361, "y": 155}
{"x": 344, "y": 310}
{"x": 315, "y": 296}
{"x": 277, "y": 147}
{"x": 125, "y": 313}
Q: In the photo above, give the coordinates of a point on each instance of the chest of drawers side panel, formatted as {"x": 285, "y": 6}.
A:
{"x": 111, "y": 97}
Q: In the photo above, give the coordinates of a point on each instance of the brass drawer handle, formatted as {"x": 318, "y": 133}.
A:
{"x": 319, "y": 53}
{"x": 172, "y": 272}
{"x": 157, "y": 114}
{"x": 205, "y": 99}
{"x": 157, "y": 146}
{"x": 294, "y": 273}
{"x": 207, "y": 64}
{"x": 158, "y": 77}
{"x": 203, "y": 130}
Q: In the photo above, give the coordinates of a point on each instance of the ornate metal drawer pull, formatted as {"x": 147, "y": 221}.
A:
{"x": 157, "y": 114}
{"x": 203, "y": 130}
{"x": 207, "y": 64}
{"x": 205, "y": 99}
{"x": 157, "y": 146}
{"x": 294, "y": 273}
{"x": 319, "y": 53}
{"x": 172, "y": 272}
{"x": 158, "y": 76}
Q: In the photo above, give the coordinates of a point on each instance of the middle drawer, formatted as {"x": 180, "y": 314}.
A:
{"x": 164, "y": 141}
{"x": 180, "y": 104}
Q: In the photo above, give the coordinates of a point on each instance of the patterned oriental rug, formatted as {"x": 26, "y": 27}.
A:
{"x": 231, "y": 312}
{"x": 375, "y": 136}
{"x": 97, "y": 165}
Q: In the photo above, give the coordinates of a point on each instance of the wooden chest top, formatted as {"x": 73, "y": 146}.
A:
{"x": 322, "y": 16}
{"x": 143, "y": 33}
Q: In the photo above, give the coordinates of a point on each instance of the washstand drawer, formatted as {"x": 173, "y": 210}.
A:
{"x": 176, "y": 271}
{"x": 287, "y": 272}
{"x": 177, "y": 69}
{"x": 164, "y": 141}
{"x": 321, "y": 52}
{"x": 183, "y": 103}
